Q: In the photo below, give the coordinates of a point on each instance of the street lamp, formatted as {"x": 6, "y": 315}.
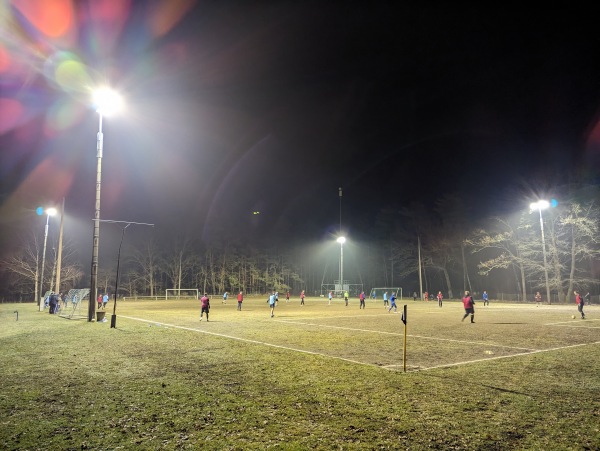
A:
{"x": 107, "y": 102}
{"x": 539, "y": 206}
{"x": 49, "y": 212}
{"x": 341, "y": 240}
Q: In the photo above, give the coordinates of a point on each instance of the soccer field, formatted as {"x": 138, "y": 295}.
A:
{"x": 316, "y": 376}
{"x": 436, "y": 337}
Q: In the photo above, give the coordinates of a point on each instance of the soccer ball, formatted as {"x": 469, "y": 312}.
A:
{"x": 573, "y": 316}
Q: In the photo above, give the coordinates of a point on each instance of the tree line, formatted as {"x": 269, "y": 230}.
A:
{"x": 453, "y": 250}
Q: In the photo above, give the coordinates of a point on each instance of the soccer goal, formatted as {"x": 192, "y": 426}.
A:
{"x": 377, "y": 293}
{"x": 181, "y": 293}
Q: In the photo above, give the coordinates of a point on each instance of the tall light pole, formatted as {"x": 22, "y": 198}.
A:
{"x": 60, "y": 245}
{"x": 539, "y": 206}
{"x": 107, "y": 102}
{"x": 341, "y": 240}
{"x": 49, "y": 212}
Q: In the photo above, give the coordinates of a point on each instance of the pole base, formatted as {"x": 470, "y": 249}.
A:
{"x": 113, "y": 322}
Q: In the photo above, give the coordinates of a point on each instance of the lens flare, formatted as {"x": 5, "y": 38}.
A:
{"x": 54, "y": 18}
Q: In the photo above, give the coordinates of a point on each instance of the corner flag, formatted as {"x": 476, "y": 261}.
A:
{"x": 404, "y": 315}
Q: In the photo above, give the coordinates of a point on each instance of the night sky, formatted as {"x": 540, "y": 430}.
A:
{"x": 233, "y": 108}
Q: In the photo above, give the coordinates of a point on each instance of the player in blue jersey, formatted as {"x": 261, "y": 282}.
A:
{"x": 392, "y": 303}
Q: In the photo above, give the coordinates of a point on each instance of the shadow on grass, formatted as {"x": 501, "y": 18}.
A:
{"x": 491, "y": 387}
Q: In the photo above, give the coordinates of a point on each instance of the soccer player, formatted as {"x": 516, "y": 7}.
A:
{"x": 580, "y": 303}
{"x": 346, "y": 296}
{"x": 225, "y": 298}
{"x": 99, "y": 300}
{"x": 277, "y": 298}
{"x": 392, "y": 303}
{"x": 205, "y": 303}
{"x": 302, "y": 298}
{"x": 104, "y": 300}
{"x": 287, "y": 297}
{"x": 538, "y": 299}
{"x": 240, "y": 300}
{"x": 330, "y": 297}
{"x": 362, "y": 300}
{"x": 469, "y": 304}
{"x": 385, "y": 299}
{"x": 439, "y": 298}
{"x": 485, "y": 298}
{"x": 272, "y": 303}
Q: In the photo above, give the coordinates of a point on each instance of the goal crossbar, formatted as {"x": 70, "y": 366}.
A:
{"x": 181, "y": 293}
{"x": 377, "y": 293}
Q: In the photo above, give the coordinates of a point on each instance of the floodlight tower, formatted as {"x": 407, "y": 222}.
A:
{"x": 341, "y": 240}
{"x": 107, "y": 102}
{"x": 542, "y": 205}
{"x": 49, "y": 212}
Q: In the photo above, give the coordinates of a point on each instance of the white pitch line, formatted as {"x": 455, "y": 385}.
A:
{"x": 247, "y": 340}
{"x": 449, "y": 365}
{"x": 302, "y": 351}
{"x": 570, "y": 323}
{"x": 408, "y": 335}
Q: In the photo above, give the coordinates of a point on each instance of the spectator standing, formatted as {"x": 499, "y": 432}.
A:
{"x": 52, "y": 303}
{"x": 205, "y": 306}
{"x": 240, "y": 300}
{"x": 469, "y": 305}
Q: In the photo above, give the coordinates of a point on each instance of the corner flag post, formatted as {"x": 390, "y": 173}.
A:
{"x": 404, "y": 350}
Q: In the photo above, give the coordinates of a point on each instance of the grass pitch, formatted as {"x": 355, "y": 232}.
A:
{"x": 317, "y": 376}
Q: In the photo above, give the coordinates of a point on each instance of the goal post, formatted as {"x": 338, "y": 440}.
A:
{"x": 377, "y": 293}
{"x": 181, "y": 293}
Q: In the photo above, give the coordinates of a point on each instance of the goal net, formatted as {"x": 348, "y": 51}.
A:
{"x": 181, "y": 293}
{"x": 377, "y": 293}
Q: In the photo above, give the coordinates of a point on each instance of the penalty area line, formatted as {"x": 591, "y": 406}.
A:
{"x": 449, "y": 365}
{"x": 354, "y": 329}
{"x": 247, "y": 340}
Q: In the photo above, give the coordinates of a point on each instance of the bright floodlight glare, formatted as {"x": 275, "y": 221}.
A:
{"x": 51, "y": 211}
{"x": 107, "y": 101}
{"x": 341, "y": 240}
{"x": 539, "y": 205}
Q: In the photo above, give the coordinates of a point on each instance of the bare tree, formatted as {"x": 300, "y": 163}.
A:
{"x": 23, "y": 265}
{"x": 148, "y": 262}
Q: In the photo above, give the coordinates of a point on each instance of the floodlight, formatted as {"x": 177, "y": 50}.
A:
{"x": 107, "y": 101}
